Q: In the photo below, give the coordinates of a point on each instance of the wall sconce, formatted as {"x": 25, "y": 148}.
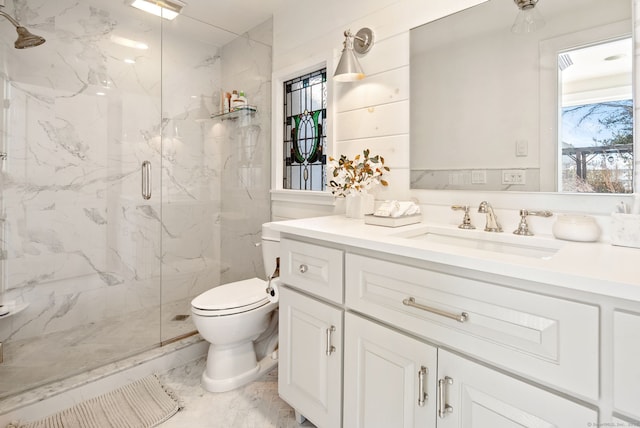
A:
{"x": 167, "y": 9}
{"x": 349, "y": 69}
{"x": 529, "y": 18}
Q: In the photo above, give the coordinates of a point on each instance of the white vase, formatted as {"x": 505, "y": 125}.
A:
{"x": 359, "y": 204}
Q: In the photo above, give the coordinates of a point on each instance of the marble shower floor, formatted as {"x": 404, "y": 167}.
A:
{"x": 256, "y": 405}
{"x": 35, "y": 362}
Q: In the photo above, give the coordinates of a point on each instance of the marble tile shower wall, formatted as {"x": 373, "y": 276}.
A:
{"x": 246, "y": 173}
{"x": 81, "y": 244}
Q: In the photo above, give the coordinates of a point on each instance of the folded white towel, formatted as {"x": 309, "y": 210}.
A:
{"x": 397, "y": 209}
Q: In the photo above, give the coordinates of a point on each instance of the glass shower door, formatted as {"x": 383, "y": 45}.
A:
{"x": 191, "y": 163}
{"x": 81, "y": 244}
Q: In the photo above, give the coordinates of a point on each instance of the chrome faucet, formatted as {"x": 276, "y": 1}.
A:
{"x": 492, "y": 221}
{"x": 466, "y": 221}
{"x": 523, "y": 227}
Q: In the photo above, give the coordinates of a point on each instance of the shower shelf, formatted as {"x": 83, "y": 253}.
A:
{"x": 14, "y": 309}
{"x": 233, "y": 115}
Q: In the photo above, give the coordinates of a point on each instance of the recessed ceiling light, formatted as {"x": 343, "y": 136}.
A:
{"x": 167, "y": 9}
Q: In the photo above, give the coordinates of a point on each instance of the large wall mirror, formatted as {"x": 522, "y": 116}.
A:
{"x": 550, "y": 110}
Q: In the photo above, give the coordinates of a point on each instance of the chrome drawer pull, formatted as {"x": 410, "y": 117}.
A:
{"x": 410, "y": 301}
{"x": 443, "y": 407}
{"x": 330, "y": 348}
{"x": 303, "y": 268}
{"x": 422, "y": 394}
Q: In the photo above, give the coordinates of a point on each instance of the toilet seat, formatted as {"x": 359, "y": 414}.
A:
{"x": 232, "y": 298}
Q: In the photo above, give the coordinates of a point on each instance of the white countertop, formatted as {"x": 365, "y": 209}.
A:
{"x": 592, "y": 267}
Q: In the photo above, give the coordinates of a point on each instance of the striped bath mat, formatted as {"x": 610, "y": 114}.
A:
{"x": 142, "y": 404}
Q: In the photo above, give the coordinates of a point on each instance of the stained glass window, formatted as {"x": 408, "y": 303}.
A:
{"x": 305, "y": 119}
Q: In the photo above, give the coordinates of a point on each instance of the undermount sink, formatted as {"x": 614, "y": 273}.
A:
{"x": 539, "y": 248}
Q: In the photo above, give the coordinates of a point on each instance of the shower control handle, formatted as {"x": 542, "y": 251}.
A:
{"x": 146, "y": 180}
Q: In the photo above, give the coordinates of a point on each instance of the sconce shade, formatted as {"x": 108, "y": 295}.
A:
{"x": 528, "y": 19}
{"x": 349, "y": 68}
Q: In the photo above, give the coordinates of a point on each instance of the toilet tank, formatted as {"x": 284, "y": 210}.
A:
{"x": 270, "y": 248}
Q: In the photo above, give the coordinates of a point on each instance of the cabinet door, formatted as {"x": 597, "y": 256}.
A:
{"x": 390, "y": 378}
{"x": 476, "y": 396}
{"x": 626, "y": 357}
{"x": 310, "y": 365}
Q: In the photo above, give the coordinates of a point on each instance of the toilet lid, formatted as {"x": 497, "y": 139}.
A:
{"x": 237, "y": 295}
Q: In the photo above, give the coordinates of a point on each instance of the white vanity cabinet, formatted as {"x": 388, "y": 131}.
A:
{"x": 626, "y": 366}
{"x": 311, "y": 330}
{"x": 370, "y": 339}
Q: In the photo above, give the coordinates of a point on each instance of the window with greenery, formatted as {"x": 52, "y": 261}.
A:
{"x": 305, "y": 117}
{"x": 597, "y": 147}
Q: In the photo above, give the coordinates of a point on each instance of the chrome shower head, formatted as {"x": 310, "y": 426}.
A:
{"x": 25, "y": 38}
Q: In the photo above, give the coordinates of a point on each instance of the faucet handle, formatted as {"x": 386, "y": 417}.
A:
{"x": 523, "y": 226}
{"x": 466, "y": 221}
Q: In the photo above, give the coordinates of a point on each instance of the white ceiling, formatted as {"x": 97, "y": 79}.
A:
{"x": 235, "y": 17}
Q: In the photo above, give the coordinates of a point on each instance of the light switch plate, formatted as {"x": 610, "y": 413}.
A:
{"x": 522, "y": 148}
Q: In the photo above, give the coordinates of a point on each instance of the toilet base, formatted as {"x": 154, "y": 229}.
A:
{"x": 240, "y": 379}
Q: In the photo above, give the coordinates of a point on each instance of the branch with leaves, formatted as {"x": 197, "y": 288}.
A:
{"x": 357, "y": 175}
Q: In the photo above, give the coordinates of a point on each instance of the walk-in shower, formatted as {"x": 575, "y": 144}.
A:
{"x": 91, "y": 271}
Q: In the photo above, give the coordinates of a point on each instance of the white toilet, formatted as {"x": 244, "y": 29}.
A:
{"x": 239, "y": 322}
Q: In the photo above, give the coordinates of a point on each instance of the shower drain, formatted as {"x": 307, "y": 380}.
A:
{"x": 180, "y": 317}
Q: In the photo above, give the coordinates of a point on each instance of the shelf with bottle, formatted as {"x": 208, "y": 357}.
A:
{"x": 241, "y": 111}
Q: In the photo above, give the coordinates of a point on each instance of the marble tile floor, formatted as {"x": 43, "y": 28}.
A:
{"x": 256, "y": 405}
{"x": 36, "y": 362}
{"x": 179, "y": 366}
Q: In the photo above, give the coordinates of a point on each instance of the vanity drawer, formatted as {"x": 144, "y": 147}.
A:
{"x": 312, "y": 268}
{"x": 543, "y": 338}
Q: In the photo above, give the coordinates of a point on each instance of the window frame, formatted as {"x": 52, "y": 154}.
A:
{"x": 278, "y": 193}
{"x": 309, "y": 116}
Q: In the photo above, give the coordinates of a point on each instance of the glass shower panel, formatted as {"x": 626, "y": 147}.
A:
{"x": 191, "y": 163}
{"x": 81, "y": 246}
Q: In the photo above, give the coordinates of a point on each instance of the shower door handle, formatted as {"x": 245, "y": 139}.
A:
{"x": 146, "y": 179}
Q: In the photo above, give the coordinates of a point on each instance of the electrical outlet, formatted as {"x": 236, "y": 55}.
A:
{"x": 479, "y": 176}
{"x": 454, "y": 179}
{"x": 513, "y": 176}
{"x": 459, "y": 178}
